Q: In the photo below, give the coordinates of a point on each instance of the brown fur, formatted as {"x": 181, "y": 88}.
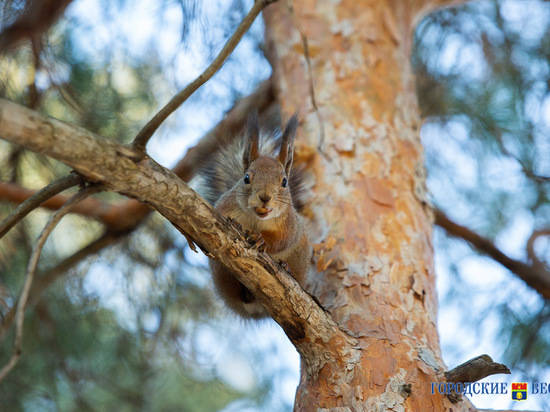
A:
{"x": 282, "y": 230}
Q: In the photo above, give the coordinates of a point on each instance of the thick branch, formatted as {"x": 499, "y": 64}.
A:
{"x": 147, "y": 131}
{"x": 127, "y": 215}
{"x": 123, "y": 218}
{"x": 310, "y": 328}
{"x": 536, "y": 277}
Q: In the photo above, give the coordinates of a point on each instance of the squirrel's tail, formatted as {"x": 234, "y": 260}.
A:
{"x": 225, "y": 168}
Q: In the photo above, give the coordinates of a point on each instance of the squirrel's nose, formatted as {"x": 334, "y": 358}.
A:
{"x": 264, "y": 197}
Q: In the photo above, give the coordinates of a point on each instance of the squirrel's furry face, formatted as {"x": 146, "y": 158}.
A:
{"x": 266, "y": 193}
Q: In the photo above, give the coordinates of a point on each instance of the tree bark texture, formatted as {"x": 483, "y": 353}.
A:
{"x": 345, "y": 66}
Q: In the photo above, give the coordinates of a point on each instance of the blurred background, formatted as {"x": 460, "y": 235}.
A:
{"x": 136, "y": 326}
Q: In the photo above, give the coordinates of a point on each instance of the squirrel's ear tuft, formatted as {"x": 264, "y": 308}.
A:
{"x": 287, "y": 143}
{"x": 251, "y": 150}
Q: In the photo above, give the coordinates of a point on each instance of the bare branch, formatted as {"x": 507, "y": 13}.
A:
{"x": 526, "y": 170}
{"x": 476, "y": 369}
{"x": 36, "y": 200}
{"x": 307, "y": 324}
{"x": 537, "y": 278}
{"x": 472, "y": 371}
{"x": 29, "y": 277}
{"x": 147, "y": 131}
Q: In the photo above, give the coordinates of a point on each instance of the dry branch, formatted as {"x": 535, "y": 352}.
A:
{"x": 537, "y": 277}
{"x": 29, "y": 277}
{"x": 476, "y": 369}
{"x": 310, "y": 328}
{"x": 36, "y": 200}
{"x": 472, "y": 371}
{"x": 147, "y": 131}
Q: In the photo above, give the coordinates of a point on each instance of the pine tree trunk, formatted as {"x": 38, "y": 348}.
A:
{"x": 345, "y": 66}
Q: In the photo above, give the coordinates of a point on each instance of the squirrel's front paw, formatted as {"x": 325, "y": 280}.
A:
{"x": 255, "y": 240}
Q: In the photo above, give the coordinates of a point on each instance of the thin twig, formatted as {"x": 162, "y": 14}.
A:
{"x": 535, "y": 277}
{"x": 36, "y": 200}
{"x": 526, "y": 170}
{"x": 147, "y": 131}
{"x": 45, "y": 279}
{"x": 31, "y": 269}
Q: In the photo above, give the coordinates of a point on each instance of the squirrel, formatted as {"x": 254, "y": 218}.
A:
{"x": 252, "y": 182}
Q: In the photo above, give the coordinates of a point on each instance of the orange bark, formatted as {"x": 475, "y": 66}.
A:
{"x": 345, "y": 66}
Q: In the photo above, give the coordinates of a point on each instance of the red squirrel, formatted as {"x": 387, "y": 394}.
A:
{"x": 252, "y": 182}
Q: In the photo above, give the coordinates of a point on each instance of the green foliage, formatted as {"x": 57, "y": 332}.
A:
{"x": 94, "y": 364}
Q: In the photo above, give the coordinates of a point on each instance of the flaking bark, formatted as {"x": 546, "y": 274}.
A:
{"x": 345, "y": 67}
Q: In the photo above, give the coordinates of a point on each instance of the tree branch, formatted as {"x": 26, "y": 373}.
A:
{"x": 147, "y": 131}
{"x": 35, "y": 200}
{"x": 537, "y": 278}
{"x": 476, "y": 369}
{"x": 472, "y": 371}
{"x": 90, "y": 207}
{"x": 307, "y": 325}
{"x": 31, "y": 269}
{"x": 127, "y": 215}
{"x": 45, "y": 279}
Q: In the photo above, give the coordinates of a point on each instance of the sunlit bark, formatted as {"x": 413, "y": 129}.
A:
{"x": 345, "y": 66}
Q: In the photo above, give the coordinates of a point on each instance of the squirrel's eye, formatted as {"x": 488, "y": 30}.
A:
{"x": 247, "y": 179}
{"x": 284, "y": 182}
